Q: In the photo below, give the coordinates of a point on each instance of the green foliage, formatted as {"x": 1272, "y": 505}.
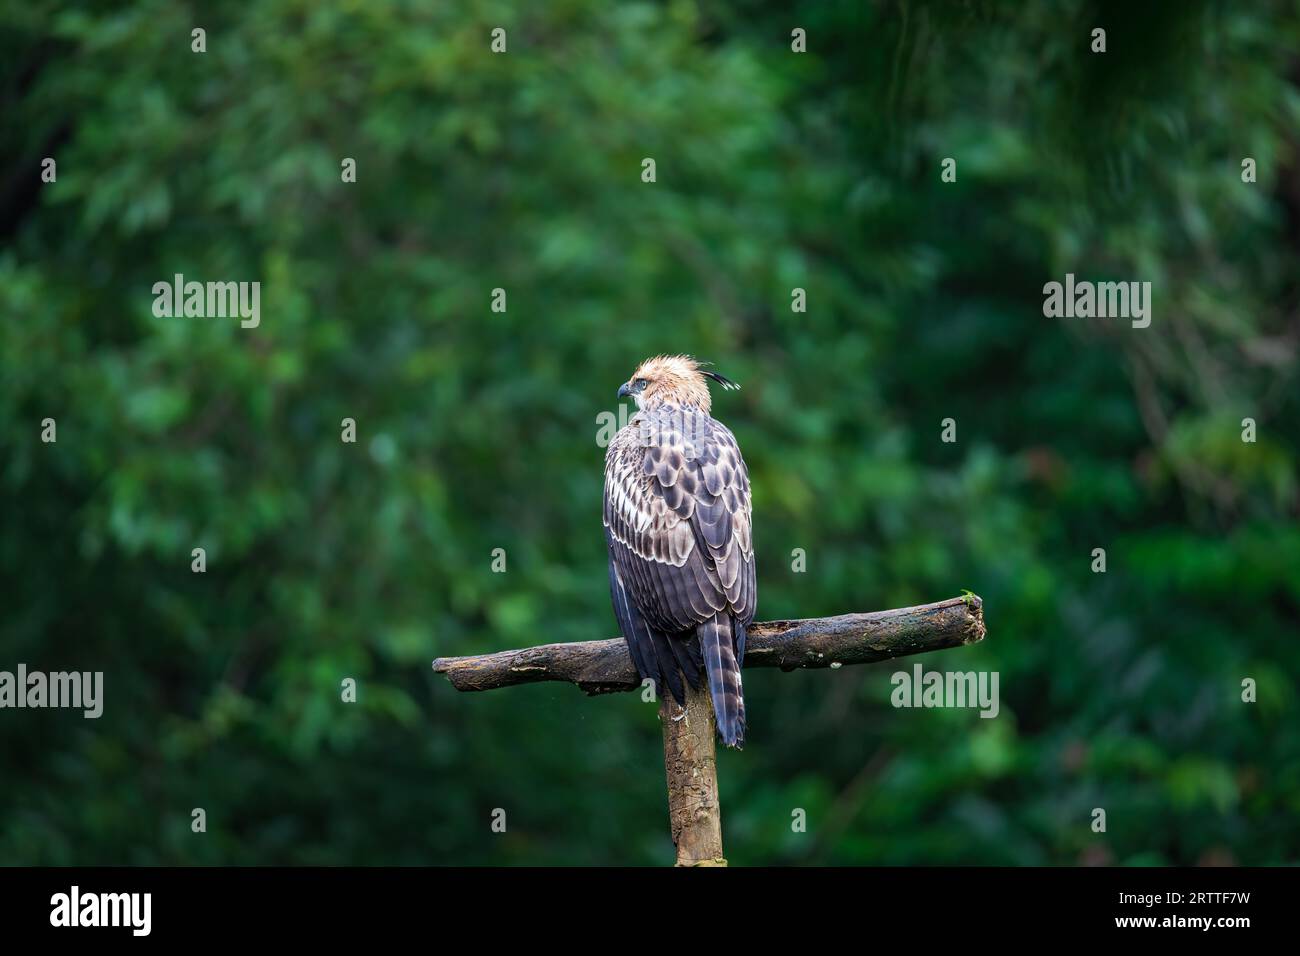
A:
{"x": 477, "y": 430}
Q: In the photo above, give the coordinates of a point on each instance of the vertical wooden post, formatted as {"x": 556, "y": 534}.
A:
{"x": 690, "y": 760}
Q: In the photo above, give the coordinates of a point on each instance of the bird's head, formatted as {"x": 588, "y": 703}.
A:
{"x": 672, "y": 380}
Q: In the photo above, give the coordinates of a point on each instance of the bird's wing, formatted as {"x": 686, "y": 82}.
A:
{"x": 678, "y": 514}
{"x": 655, "y": 654}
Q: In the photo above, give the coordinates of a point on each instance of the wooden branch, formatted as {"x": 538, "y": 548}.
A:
{"x": 690, "y": 744}
{"x": 602, "y": 667}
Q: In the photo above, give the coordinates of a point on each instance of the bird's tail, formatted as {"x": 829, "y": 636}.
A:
{"x": 718, "y": 648}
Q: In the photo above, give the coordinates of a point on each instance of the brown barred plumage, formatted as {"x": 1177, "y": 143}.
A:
{"x": 678, "y": 524}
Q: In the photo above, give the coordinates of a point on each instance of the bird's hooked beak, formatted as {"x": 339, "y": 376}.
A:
{"x": 624, "y": 390}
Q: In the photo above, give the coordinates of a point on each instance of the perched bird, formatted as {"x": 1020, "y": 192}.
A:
{"x": 681, "y": 554}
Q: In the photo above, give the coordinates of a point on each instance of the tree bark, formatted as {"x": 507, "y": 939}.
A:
{"x": 690, "y": 760}
{"x": 602, "y": 667}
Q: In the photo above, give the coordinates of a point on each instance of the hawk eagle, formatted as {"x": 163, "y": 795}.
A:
{"x": 681, "y": 555}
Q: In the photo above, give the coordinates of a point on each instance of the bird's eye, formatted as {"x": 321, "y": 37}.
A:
{"x": 639, "y": 384}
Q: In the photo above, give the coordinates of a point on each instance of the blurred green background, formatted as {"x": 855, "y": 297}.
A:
{"x": 477, "y": 430}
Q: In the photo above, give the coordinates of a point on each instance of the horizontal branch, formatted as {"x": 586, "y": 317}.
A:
{"x": 602, "y": 667}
